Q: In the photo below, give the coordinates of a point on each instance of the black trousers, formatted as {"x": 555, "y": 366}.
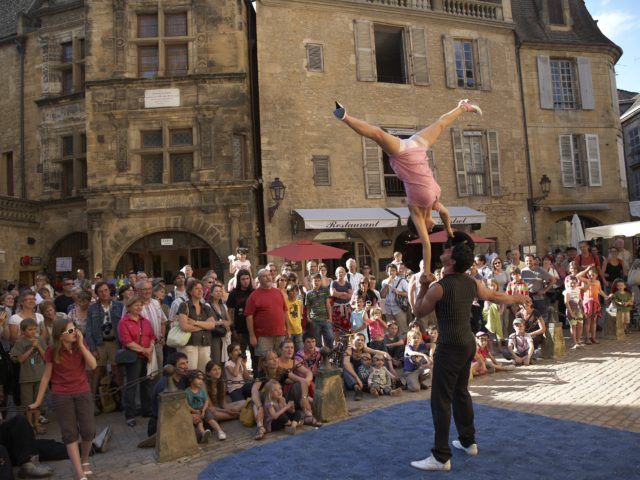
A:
{"x": 450, "y": 382}
{"x": 135, "y": 371}
{"x": 17, "y": 436}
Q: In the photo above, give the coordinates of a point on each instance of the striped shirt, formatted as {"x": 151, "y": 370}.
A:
{"x": 453, "y": 310}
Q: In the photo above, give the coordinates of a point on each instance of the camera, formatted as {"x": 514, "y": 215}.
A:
{"x": 106, "y": 329}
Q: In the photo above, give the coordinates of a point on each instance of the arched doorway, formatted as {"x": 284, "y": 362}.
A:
{"x": 162, "y": 254}
{"x": 68, "y": 255}
{"x": 561, "y": 234}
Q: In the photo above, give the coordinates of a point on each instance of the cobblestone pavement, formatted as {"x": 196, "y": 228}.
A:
{"x": 597, "y": 384}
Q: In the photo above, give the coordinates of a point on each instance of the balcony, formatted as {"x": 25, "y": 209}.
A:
{"x": 478, "y": 9}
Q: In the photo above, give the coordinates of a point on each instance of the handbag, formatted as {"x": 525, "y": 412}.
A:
{"x": 246, "y": 414}
{"x": 177, "y": 337}
{"x": 125, "y": 356}
{"x": 219, "y": 331}
{"x": 402, "y": 301}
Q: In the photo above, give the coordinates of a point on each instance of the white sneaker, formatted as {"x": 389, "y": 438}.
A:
{"x": 471, "y": 449}
{"x": 430, "y": 463}
{"x": 340, "y": 112}
{"x": 222, "y": 435}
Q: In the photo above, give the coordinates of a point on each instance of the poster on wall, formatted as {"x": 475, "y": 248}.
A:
{"x": 63, "y": 264}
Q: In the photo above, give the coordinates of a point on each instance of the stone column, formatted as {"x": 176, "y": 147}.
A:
{"x": 234, "y": 237}
{"x": 96, "y": 248}
{"x": 553, "y": 345}
{"x": 176, "y": 436}
{"x": 329, "y": 402}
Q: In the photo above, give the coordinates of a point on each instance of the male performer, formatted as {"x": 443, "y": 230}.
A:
{"x": 451, "y": 298}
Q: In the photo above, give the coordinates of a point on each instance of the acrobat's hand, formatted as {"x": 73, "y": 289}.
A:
{"x": 426, "y": 279}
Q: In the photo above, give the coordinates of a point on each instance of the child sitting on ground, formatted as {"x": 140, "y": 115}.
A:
{"x": 416, "y": 362}
{"x": 574, "y": 312}
{"x": 198, "y": 402}
{"x": 279, "y": 414}
{"x": 484, "y": 361}
{"x": 520, "y": 344}
{"x": 364, "y": 370}
{"x": 394, "y": 343}
{"x": 28, "y": 351}
{"x": 380, "y": 379}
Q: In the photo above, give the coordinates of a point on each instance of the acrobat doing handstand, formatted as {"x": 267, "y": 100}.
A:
{"x": 408, "y": 158}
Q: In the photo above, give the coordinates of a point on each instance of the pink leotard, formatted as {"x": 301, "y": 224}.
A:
{"x": 412, "y": 167}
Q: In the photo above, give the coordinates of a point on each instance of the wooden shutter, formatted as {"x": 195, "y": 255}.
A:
{"x": 373, "y": 178}
{"x": 321, "y": 170}
{"x": 567, "y": 167}
{"x": 314, "y": 58}
{"x": 586, "y": 85}
{"x": 484, "y": 59}
{"x": 449, "y": 61}
{"x": 419, "y": 63}
{"x": 458, "y": 155}
{"x": 614, "y": 90}
{"x": 544, "y": 82}
{"x": 365, "y": 51}
{"x": 593, "y": 160}
{"x": 494, "y": 162}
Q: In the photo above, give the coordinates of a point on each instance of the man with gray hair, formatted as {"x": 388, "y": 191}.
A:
{"x": 353, "y": 276}
{"x": 623, "y": 254}
{"x": 266, "y": 313}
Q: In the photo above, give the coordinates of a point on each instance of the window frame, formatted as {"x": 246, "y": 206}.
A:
{"x": 490, "y": 174}
{"x": 72, "y": 164}
{"x": 71, "y": 66}
{"x": 580, "y": 161}
{"x": 315, "y": 49}
{"x": 167, "y": 150}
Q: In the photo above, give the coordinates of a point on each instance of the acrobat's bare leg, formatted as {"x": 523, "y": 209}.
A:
{"x": 419, "y": 217}
{"x": 444, "y": 216}
{"x": 386, "y": 141}
{"x": 433, "y": 131}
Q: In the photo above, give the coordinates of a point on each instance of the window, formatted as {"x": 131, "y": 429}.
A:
{"x": 635, "y": 184}
{"x": 166, "y": 155}
{"x": 565, "y": 83}
{"x": 634, "y": 141}
{"x": 556, "y": 12}
{"x": 390, "y": 55}
{"x": 240, "y": 160}
{"x": 467, "y": 63}
{"x": 382, "y": 52}
{"x": 163, "y": 44}
{"x": 6, "y": 184}
{"x": 477, "y": 162}
{"x": 72, "y": 70}
{"x": 72, "y": 166}
{"x": 315, "y": 61}
{"x": 321, "y": 170}
{"x": 580, "y": 160}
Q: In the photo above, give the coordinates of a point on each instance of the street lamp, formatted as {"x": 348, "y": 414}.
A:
{"x": 545, "y": 188}
{"x": 276, "y": 188}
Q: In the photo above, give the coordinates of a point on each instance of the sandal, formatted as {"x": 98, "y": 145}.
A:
{"x": 593, "y": 340}
{"x": 260, "y": 432}
{"x": 86, "y": 469}
{"x": 312, "y": 421}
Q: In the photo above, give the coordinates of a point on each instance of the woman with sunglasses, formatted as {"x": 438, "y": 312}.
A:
{"x": 501, "y": 277}
{"x": 67, "y": 360}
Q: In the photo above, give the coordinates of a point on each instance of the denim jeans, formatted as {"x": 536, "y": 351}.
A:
{"x": 133, "y": 372}
{"x": 323, "y": 331}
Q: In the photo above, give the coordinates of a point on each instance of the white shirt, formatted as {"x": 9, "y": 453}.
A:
{"x": 354, "y": 279}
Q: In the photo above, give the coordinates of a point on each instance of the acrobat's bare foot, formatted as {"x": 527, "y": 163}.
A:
{"x": 340, "y": 112}
{"x": 469, "y": 107}
{"x": 429, "y": 223}
{"x": 450, "y": 231}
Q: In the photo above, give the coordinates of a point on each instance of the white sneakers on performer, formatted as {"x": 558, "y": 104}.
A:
{"x": 340, "y": 112}
{"x": 430, "y": 463}
{"x": 471, "y": 449}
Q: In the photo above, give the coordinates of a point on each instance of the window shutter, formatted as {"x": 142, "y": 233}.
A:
{"x": 567, "y": 167}
{"x": 544, "y": 82}
{"x": 372, "y": 169}
{"x": 593, "y": 160}
{"x": 365, "y": 54}
{"x": 449, "y": 61}
{"x": 458, "y": 155}
{"x": 586, "y": 86}
{"x": 418, "y": 38}
{"x": 321, "y": 171}
{"x": 314, "y": 58}
{"x": 614, "y": 90}
{"x": 485, "y": 63}
{"x": 494, "y": 162}
{"x": 621, "y": 164}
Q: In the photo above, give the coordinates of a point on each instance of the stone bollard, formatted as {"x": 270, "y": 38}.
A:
{"x": 175, "y": 437}
{"x": 612, "y": 329}
{"x": 329, "y": 402}
{"x": 553, "y": 345}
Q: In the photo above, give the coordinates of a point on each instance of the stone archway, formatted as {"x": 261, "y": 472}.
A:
{"x": 74, "y": 246}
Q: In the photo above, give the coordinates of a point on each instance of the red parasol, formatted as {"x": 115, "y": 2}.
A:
{"x": 306, "y": 250}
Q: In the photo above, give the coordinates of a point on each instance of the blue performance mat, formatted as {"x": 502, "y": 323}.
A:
{"x": 380, "y": 445}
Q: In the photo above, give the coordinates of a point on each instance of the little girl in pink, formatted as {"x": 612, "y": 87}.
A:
{"x": 408, "y": 158}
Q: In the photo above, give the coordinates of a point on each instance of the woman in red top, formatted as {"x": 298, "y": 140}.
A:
{"x": 136, "y": 333}
{"x": 66, "y": 362}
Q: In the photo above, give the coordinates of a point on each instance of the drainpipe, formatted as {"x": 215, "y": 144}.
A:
{"x": 20, "y": 44}
{"x": 252, "y": 39}
{"x": 527, "y": 153}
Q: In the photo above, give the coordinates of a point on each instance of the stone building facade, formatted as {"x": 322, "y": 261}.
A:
{"x": 139, "y": 135}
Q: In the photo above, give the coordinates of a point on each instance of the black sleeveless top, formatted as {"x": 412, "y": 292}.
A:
{"x": 613, "y": 271}
{"x": 453, "y": 310}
